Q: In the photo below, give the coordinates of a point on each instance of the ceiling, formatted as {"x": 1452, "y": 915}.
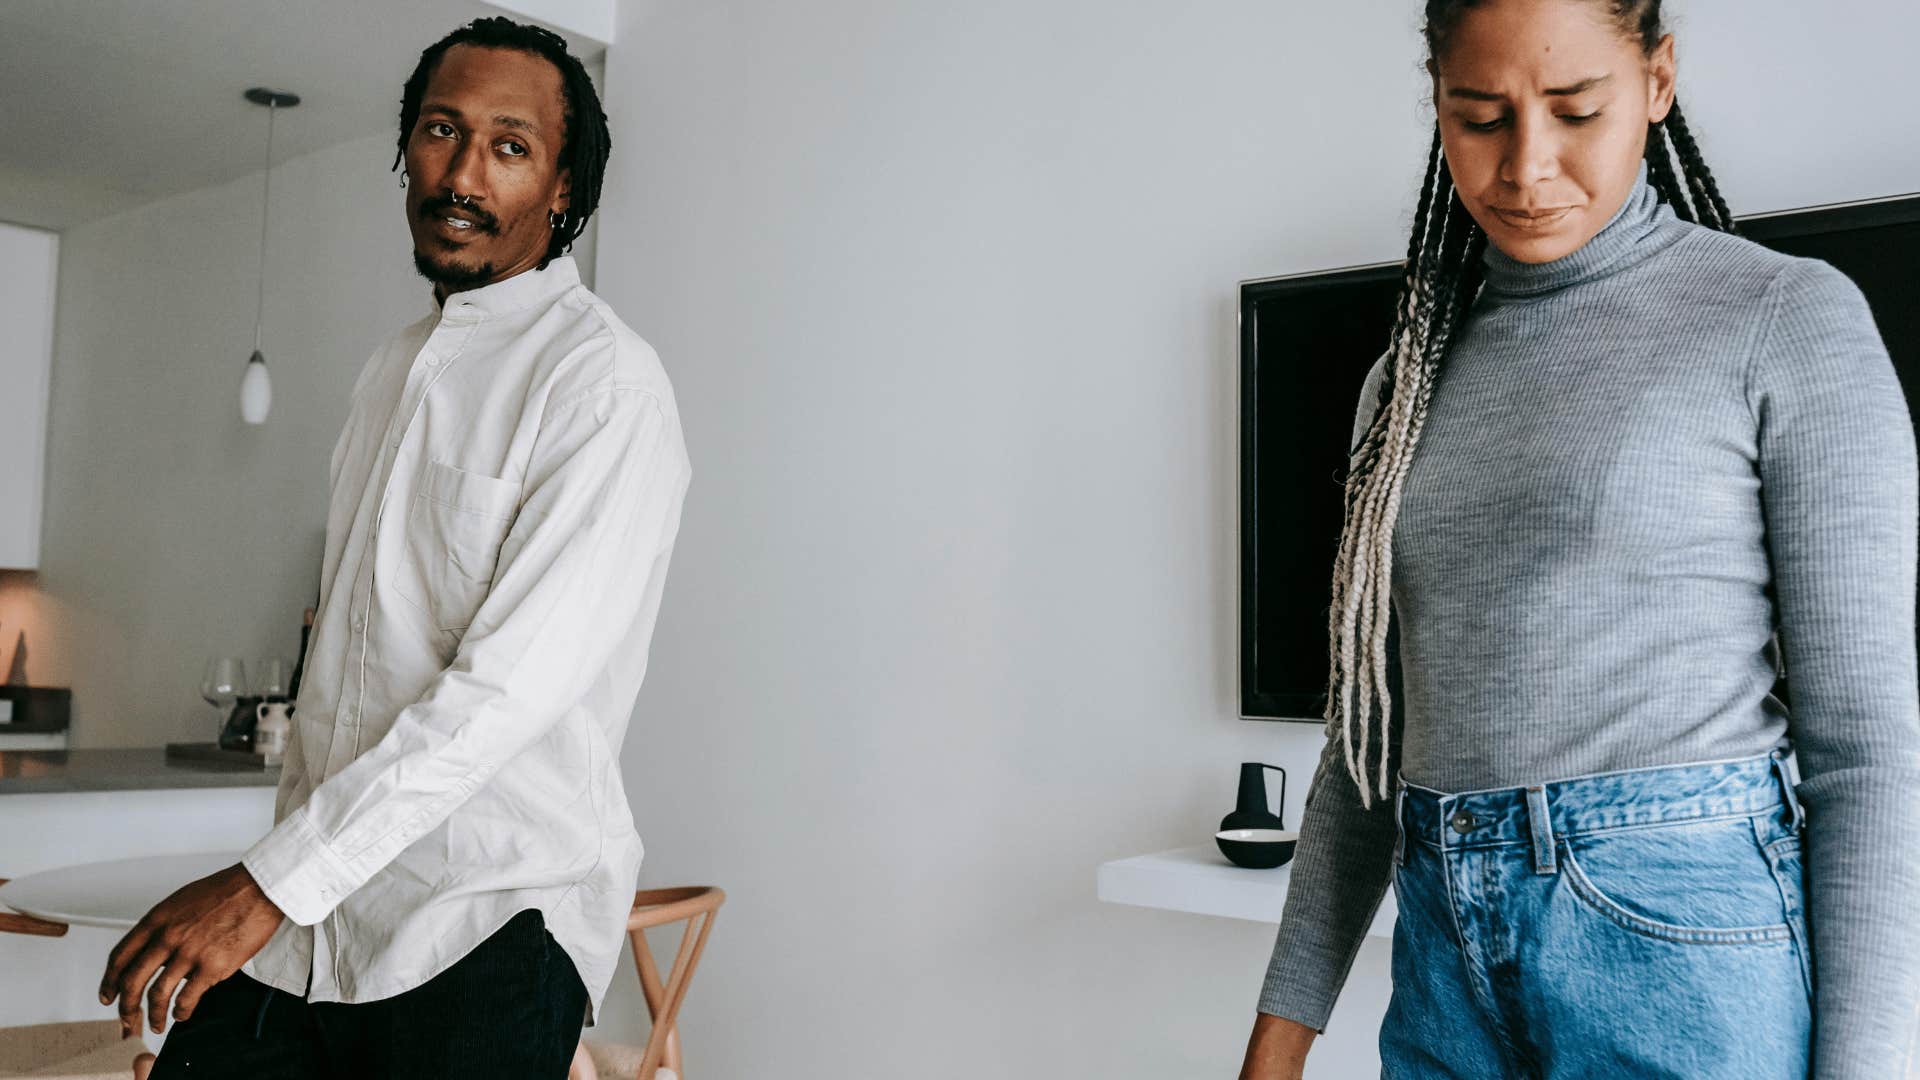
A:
{"x": 114, "y": 103}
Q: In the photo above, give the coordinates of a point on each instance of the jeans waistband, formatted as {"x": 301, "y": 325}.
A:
{"x": 1530, "y": 813}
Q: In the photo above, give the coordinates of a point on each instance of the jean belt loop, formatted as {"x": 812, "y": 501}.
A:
{"x": 1542, "y": 824}
{"x": 1796, "y": 815}
{"x": 1399, "y": 822}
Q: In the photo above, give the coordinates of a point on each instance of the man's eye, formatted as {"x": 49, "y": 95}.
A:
{"x": 439, "y": 127}
{"x": 1581, "y": 119}
{"x": 516, "y": 149}
{"x": 1480, "y": 125}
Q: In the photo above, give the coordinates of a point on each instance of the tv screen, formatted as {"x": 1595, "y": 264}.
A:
{"x": 1306, "y": 342}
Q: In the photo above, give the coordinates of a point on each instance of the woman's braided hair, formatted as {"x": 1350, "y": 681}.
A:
{"x": 1441, "y": 280}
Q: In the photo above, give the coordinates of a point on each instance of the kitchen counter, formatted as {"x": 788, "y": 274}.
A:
{"x": 145, "y": 769}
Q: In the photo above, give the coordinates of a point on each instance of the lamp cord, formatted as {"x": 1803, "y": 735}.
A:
{"x": 266, "y": 195}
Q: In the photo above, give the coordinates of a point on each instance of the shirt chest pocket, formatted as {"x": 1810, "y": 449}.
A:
{"x": 455, "y": 526}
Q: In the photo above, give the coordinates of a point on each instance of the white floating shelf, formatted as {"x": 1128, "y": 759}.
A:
{"x": 1200, "y": 880}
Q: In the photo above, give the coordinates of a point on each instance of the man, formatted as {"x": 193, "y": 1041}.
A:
{"x": 446, "y": 888}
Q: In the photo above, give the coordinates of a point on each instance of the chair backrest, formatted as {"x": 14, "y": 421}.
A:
{"x": 652, "y": 908}
{"x": 12, "y": 923}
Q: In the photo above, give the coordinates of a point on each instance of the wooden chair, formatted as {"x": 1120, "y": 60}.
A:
{"x": 13, "y": 923}
{"x": 76, "y": 1050}
{"x": 660, "y": 1058}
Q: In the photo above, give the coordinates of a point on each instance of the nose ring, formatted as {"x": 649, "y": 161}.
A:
{"x": 463, "y": 200}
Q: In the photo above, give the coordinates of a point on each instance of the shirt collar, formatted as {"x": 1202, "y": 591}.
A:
{"x": 525, "y": 289}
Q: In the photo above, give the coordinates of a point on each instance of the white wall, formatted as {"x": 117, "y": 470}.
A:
{"x": 947, "y": 292}
{"x": 174, "y": 531}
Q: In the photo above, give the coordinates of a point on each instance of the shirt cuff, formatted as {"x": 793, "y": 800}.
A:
{"x": 297, "y": 871}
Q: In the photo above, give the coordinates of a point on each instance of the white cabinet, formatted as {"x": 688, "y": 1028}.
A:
{"x": 29, "y": 259}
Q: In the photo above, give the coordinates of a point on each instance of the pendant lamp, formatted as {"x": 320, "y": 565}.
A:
{"x": 256, "y": 389}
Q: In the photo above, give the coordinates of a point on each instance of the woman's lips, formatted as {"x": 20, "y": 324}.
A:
{"x": 1532, "y": 219}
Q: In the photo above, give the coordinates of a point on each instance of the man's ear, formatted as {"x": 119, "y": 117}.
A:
{"x": 562, "y": 193}
{"x": 1660, "y": 80}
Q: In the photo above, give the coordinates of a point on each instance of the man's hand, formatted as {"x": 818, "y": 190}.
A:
{"x": 192, "y": 940}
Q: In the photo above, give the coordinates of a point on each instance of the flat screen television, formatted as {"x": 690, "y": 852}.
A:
{"x": 1306, "y": 342}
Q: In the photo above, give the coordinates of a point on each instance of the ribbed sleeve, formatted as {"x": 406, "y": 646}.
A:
{"x": 1341, "y": 869}
{"x": 1837, "y": 475}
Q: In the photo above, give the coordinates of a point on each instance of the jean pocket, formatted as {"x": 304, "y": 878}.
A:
{"x": 1691, "y": 883}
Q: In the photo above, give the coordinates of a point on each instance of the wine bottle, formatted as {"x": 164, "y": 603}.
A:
{"x": 300, "y": 665}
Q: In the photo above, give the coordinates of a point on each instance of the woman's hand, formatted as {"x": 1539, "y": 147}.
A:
{"x": 1277, "y": 1050}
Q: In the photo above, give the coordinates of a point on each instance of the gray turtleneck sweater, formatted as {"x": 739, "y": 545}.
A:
{"x": 1640, "y": 460}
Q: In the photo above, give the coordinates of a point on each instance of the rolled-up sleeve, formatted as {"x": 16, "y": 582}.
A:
{"x": 586, "y": 552}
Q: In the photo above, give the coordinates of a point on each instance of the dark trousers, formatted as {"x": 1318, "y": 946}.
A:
{"x": 513, "y": 1007}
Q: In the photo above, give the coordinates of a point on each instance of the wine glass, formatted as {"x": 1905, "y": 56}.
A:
{"x": 223, "y": 682}
{"x": 269, "y": 677}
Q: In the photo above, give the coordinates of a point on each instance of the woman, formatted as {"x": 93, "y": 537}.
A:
{"x": 1644, "y": 446}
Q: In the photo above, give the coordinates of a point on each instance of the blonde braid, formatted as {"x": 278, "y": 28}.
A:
{"x": 1381, "y": 500}
{"x": 1431, "y": 301}
{"x": 1462, "y": 245}
{"x": 1379, "y": 446}
{"x": 1350, "y": 573}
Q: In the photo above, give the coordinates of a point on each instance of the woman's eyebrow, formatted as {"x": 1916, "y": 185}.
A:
{"x": 1580, "y": 87}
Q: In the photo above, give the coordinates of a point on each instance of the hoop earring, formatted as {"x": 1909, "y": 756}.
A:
{"x": 557, "y": 220}
{"x": 403, "y": 178}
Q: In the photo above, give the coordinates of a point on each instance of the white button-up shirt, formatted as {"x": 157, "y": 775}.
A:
{"x": 504, "y": 498}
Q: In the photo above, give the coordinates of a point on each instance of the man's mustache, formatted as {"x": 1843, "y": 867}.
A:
{"x": 439, "y": 207}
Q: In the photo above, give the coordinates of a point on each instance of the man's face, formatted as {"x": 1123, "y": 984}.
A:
{"x": 490, "y": 128}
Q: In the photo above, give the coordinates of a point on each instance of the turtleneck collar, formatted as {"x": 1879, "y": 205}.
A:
{"x": 1638, "y": 229}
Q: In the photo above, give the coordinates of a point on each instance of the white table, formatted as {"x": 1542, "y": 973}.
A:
{"x": 1200, "y": 880}
{"x": 49, "y": 829}
{"x": 112, "y": 894}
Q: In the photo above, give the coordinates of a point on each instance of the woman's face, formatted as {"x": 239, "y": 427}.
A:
{"x": 1543, "y": 108}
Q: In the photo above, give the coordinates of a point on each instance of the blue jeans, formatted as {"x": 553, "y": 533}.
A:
{"x": 1648, "y": 923}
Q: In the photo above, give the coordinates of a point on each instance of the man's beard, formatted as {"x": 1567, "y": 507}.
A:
{"x": 452, "y": 277}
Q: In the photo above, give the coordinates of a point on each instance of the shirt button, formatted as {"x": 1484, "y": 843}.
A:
{"x": 433, "y": 361}
{"x": 359, "y": 622}
{"x": 1463, "y": 822}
